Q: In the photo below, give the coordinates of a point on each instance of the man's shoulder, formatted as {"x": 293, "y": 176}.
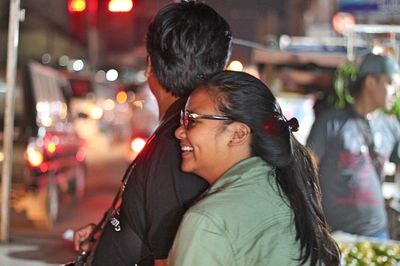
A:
{"x": 170, "y": 122}
{"x": 160, "y": 151}
{"x": 387, "y": 120}
{"x": 326, "y": 125}
{"x": 334, "y": 114}
{"x": 331, "y": 120}
{"x": 381, "y": 115}
{"x": 162, "y": 146}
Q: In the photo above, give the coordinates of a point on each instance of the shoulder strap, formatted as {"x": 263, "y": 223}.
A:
{"x": 368, "y": 139}
{"x": 84, "y": 258}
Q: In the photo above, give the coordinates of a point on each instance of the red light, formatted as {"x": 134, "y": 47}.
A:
{"x": 138, "y": 144}
{"x": 80, "y": 156}
{"x": 341, "y": 21}
{"x": 120, "y": 5}
{"x": 44, "y": 167}
{"x": 76, "y": 6}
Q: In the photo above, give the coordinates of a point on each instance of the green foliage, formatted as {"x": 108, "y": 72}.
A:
{"x": 396, "y": 108}
{"x": 345, "y": 75}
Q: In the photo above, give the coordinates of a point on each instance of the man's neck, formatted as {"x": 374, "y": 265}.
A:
{"x": 165, "y": 100}
{"x": 363, "y": 106}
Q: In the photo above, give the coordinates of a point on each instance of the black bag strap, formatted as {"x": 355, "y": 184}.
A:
{"x": 366, "y": 132}
{"x": 83, "y": 258}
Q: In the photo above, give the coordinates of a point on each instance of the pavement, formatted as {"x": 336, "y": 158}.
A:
{"x": 35, "y": 251}
{"x": 37, "y": 244}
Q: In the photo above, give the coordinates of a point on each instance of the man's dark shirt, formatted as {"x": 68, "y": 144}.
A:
{"x": 155, "y": 198}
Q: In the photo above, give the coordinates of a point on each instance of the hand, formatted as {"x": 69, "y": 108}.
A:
{"x": 80, "y": 235}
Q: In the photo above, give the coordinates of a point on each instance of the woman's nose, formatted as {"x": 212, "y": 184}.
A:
{"x": 180, "y": 132}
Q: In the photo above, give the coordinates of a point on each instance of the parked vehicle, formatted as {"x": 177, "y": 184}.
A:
{"x": 48, "y": 155}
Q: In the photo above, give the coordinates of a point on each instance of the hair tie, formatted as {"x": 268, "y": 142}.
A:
{"x": 228, "y": 34}
{"x": 293, "y": 124}
{"x": 201, "y": 76}
{"x": 274, "y": 124}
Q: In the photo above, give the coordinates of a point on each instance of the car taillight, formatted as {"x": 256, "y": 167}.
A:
{"x": 35, "y": 157}
{"x": 137, "y": 144}
{"x": 51, "y": 147}
{"x": 80, "y": 156}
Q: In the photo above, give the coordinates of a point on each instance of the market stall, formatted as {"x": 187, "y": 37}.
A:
{"x": 366, "y": 251}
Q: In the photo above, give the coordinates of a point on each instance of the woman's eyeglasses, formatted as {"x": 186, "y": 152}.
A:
{"x": 188, "y": 118}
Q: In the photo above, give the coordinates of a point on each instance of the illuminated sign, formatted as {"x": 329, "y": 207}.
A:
{"x": 369, "y": 5}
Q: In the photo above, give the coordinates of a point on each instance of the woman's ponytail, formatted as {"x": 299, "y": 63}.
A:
{"x": 299, "y": 184}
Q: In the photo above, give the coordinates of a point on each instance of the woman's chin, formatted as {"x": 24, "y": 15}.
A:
{"x": 185, "y": 167}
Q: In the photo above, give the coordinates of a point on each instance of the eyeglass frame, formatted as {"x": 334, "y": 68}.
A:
{"x": 184, "y": 120}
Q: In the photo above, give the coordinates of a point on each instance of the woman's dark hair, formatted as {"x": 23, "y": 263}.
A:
{"x": 246, "y": 99}
{"x": 187, "y": 41}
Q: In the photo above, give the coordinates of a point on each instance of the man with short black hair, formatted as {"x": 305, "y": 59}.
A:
{"x": 352, "y": 144}
{"x": 185, "y": 42}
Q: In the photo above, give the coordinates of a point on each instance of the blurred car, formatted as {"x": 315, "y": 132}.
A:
{"x": 48, "y": 155}
{"x": 102, "y": 110}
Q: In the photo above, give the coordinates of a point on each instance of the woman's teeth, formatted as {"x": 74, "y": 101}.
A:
{"x": 186, "y": 148}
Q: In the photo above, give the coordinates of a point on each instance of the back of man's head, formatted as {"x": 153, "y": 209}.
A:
{"x": 376, "y": 65}
{"x": 187, "y": 41}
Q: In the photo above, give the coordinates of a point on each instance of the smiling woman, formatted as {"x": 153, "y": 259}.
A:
{"x": 204, "y": 142}
{"x": 263, "y": 206}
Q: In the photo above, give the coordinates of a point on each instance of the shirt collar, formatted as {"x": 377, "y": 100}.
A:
{"x": 175, "y": 108}
{"x": 241, "y": 173}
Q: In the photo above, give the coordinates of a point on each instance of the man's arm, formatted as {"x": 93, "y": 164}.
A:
{"x": 317, "y": 139}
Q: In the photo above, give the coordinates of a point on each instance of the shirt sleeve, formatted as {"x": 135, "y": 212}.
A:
{"x": 200, "y": 241}
{"x": 317, "y": 138}
{"x": 395, "y": 156}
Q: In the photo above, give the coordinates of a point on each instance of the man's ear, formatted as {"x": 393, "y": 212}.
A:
{"x": 148, "y": 68}
{"x": 241, "y": 133}
{"x": 370, "y": 82}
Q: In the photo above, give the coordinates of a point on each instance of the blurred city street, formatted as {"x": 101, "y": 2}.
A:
{"x": 33, "y": 244}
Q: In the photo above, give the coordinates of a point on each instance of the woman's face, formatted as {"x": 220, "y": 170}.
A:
{"x": 204, "y": 143}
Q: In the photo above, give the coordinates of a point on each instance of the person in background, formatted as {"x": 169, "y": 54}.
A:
{"x": 185, "y": 42}
{"x": 351, "y": 146}
{"x": 263, "y": 206}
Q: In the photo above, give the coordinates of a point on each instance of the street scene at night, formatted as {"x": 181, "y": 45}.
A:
{"x": 188, "y": 132}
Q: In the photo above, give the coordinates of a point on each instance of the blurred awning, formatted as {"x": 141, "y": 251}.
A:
{"x": 276, "y": 57}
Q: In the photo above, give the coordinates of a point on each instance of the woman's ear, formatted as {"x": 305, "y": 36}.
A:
{"x": 241, "y": 134}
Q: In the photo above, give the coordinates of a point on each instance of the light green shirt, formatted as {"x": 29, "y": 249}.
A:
{"x": 241, "y": 221}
